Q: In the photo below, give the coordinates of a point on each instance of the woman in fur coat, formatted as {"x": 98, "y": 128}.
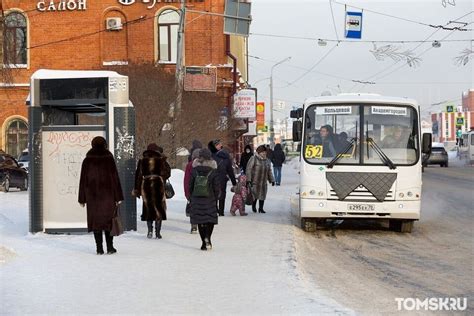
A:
{"x": 259, "y": 171}
{"x": 204, "y": 192}
{"x": 187, "y": 178}
{"x": 150, "y": 177}
{"x": 100, "y": 190}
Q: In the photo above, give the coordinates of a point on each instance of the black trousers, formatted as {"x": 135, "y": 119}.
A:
{"x": 205, "y": 231}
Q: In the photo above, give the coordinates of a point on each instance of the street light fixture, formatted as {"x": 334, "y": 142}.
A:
{"x": 272, "y": 130}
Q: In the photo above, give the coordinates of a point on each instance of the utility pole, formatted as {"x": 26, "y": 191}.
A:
{"x": 272, "y": 130}
{"x": 180, "y": 61}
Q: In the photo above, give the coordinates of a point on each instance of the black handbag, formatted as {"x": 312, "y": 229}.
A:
{"x": 117, "y": 226}
{"x": 169, "y": 191}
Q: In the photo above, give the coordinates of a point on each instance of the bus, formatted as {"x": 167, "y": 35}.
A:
{"x": 466, "y": 147}
{"x": 360, "y": 159}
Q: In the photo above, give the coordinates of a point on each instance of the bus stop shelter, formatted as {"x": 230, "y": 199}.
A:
{"x": 66, "y": 110}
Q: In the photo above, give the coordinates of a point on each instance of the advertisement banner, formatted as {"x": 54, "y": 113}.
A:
{"x": 260, "y": 116}
{"x": 245, "y": 104}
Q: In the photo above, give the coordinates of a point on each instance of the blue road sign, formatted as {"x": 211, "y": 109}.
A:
{"x": 353, "y": 24}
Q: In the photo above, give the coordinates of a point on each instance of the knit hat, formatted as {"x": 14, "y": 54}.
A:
{"x": 195, "y": 153}
{"x": 205, "y": 154}
{"x": 215, "y": 142}
{"x": 261, "y": 148}
{"x": 154, "y": 147}
{"x": 99, "y": 142}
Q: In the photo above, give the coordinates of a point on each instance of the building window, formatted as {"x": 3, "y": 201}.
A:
{"x": 15, "y": 39}
{"x": 16, "y": 137}
{"x": 168, "y": 25}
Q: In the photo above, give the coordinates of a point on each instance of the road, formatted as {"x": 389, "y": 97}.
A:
{"x": 366, "y": 266}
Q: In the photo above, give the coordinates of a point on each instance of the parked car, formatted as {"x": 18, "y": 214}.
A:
{"x": 438, "y": 156}
{"x": 11, "y": 174}
{"x": 24, "y": 160}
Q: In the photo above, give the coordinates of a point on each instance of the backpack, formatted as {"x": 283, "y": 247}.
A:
{"x": 201, "y": 185}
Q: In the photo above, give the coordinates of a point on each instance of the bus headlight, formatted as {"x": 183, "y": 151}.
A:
{"x": 312, "y": 192}
{"x": 409, "y": 194}
{"x": 401, "y": 195}
{"x": 321, "y": 193}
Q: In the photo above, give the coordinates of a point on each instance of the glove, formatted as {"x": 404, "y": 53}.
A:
{"x": 82, "y": 204}
{"x": 249, "y": 183}
{"x": 273, "y": 184}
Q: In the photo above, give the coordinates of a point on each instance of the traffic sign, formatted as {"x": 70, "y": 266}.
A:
{"x": 353, "y": 24}
{"x": 449, "y": 108}
{"x": 459, "y": 121}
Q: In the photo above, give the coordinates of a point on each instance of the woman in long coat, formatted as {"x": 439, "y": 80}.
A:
{"x": 100, "y": 190}
{"x": 245, "y": 157}
{"x": 187, "y": 178}
{"x": 259, "y": 171}
{"x": 150, "y": 177}
{"x": 204, "y": 211}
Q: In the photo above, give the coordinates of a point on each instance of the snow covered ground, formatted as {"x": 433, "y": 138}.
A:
{"x": 253, "y": 268}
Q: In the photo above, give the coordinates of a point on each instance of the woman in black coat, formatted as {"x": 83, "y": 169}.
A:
{"x": 100, "y": 190}
{"x": 152, "y": 172}
{"x": 204, "y": 191}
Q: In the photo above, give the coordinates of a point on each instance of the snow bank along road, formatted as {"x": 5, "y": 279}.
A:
{"x": 253, "y": 268}
{"x": 366, "y": 267}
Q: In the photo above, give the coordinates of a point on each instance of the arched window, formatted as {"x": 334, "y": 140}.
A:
{"x": 168, "y": 25}
{"x": 15, "y": 39}
{"x": 16, "y": 137}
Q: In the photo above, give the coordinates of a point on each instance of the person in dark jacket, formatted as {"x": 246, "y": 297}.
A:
{"x": 187, "y": 178}
{"x": 224, "y": 171}
{"x": 152, "y": 172}
{"x": 278, "y": 158}
{"x": 196, "y": 145}
{"x": 100, "y": 190}
{"x": 203, "y": 206}
{"x": 245, "y": 157}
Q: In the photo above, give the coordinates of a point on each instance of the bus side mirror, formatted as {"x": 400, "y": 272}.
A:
{"x": 426, "y": 143}
{"x": 296, "y": 114}
{"x": 297, "y": 130}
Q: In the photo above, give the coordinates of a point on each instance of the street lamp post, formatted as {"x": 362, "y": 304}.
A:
{"x": 272, "y": 130}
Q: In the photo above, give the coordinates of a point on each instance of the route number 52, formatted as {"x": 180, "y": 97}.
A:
{"x": 312, "y": 151}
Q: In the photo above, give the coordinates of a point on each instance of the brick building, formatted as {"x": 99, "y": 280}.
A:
{"x": 85, "y": 35}
{"x": 444, "y": 124}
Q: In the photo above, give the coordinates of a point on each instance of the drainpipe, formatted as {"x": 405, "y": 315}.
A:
{"x": 229, "y": 54}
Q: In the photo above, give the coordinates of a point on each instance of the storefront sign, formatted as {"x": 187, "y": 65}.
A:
{"x": 62, "y": 5}
{"x": 244, "y": 104}
{"x": 260, "y": 116}
{"x": 153, "y": 2}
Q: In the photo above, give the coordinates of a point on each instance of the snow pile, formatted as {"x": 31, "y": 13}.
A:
{"x": 253, "y": 268}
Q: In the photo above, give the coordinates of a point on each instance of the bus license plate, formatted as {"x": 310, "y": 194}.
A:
{"x": 361, "y": 207}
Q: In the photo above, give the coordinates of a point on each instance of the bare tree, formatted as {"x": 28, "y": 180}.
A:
{"x": 153, "y": 94}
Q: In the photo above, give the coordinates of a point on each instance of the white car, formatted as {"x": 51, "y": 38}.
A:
{"x": 24, "y": 160}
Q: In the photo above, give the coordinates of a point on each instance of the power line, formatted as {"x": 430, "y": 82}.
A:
{"x": 352, "y": 41}
{"x": 333, "y": 20}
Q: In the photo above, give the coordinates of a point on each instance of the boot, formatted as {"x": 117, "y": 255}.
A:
{"x": 158, "y": 229}
{"x": 254, "y": 206}
{"x": 150, "y": 229}
{"x": 260, "y": 206}
{"x": 221, "y": 207}
{"x": 98, "y": 242}
{"x": 109, "y": 240}
{"x": 207, "y": 239}
{"x": 202, "y": 233}
{"x": 194, "y": 229}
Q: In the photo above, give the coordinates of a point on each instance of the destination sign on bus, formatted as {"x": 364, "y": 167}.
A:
{"x": 331, "y": 110}
{"x": 389, "y": 110}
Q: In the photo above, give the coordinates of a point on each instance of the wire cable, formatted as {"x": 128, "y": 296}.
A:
{"x": 333, "y": 20}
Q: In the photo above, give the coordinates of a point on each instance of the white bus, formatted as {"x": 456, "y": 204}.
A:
{"x": 466, "y": 148}
{"x": 360, "y": 158}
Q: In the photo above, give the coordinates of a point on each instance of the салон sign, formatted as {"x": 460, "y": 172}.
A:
{"x": 62, "y": 5}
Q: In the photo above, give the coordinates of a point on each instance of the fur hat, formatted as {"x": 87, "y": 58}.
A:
{"x": 205, "y": 154}
{"x": 99, "y": 142}
{"x": 153, "y": 147}
{"x": 261, "y": 148}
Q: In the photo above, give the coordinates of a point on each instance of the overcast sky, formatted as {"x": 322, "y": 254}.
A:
{"x": 437, "y": 78}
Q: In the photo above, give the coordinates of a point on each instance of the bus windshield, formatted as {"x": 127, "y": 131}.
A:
{"x": 366, "y": 134}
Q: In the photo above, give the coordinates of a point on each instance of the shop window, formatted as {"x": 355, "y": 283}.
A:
{"x": 16, "y": 137}
{"x": 168, "y": 25}
{"x": 15, "y": 32}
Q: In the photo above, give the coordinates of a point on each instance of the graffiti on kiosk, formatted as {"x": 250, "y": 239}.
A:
{"x": 125, "y": 145}
{"x": 70, "y": 139}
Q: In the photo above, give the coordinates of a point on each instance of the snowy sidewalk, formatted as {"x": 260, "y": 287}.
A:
{"x": 251, "y": 270}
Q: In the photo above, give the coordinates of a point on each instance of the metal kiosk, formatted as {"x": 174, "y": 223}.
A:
{"x": 67, "y": 109}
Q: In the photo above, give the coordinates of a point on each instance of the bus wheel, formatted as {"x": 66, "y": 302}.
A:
{"x": 402, "y": 226}
{"x": 308, "y": 225}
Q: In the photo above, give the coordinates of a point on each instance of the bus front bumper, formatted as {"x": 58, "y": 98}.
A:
{"x": 341, "y": 209}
